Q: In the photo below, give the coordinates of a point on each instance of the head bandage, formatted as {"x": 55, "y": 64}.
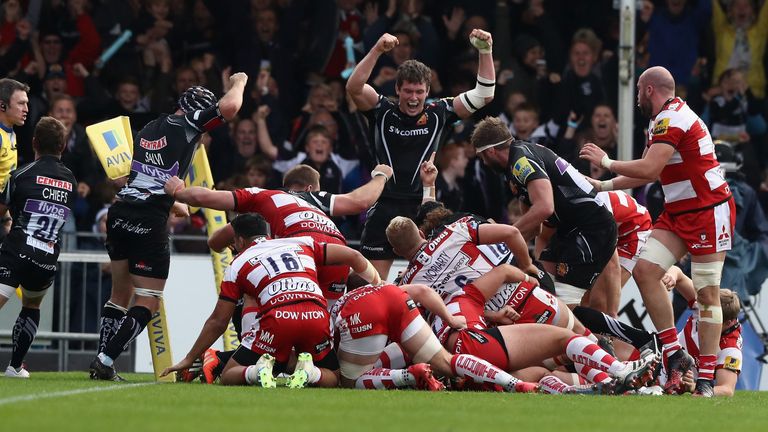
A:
{"x": 486, "y": 147}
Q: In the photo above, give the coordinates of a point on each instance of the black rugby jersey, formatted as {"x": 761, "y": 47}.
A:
{"x": 163, "y": 149}
{"x": 404, "y": 142}
{"x": 576, "y": 202}
{"x": 40, "y": 196}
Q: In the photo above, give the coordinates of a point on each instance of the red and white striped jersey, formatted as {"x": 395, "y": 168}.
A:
{"x": 276, "y": 272}
{"x": 629, "y": 215}
{"x": 452, "y": 258}
{"x": 288, "y": 214}
{"x": 728, "y": 357}
{"x": 692, "y": 179}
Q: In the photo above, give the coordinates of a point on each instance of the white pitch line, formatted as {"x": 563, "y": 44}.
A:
{"x": 32, "y": 397}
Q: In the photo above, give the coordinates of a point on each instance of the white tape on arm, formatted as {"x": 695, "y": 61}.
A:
{"x": 474, "y": 99}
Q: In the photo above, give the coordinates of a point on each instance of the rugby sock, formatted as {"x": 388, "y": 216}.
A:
{"x": 111, "y": 314}
{"x": 589, "y": 335}
{"x": 130, "y": 326}
{"x": 552, "y": 385}
{"x": 482, "y": 372}
{"x": 669, "y": 341}
{"x": 601, "y": 323}
{"x": 392, "y": 357}
{"x": 582, "y": 350}
{"x": 707, "y": 365}
{"x": 591, "y": 374}
{"x": 24, "y": 332}
{"x": 380, "y": 378}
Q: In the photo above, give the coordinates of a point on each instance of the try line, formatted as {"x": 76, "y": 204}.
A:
{"x": 32, "y": 397}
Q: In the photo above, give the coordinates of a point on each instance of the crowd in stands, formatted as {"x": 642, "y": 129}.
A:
{"x": 557, "y": 85}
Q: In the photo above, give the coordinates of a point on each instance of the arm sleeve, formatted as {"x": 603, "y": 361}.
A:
{"x": 205, "y": 120}
{"x": 322, "y": 200}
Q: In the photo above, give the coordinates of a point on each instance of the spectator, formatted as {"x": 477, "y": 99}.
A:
{"x": 527, "y": 127}
{"x": 451, "y": 164}
{"x": 603, "y": 131}
{"x": 404, "y": 17}
{"x": 511, "y": 103}
{"x": 729, "y": 111}
{"x": 318, "y": 154}
{"x": 581, "y": 89}
{"x": 350, "y": 24}
{"x": 740, "y": 38}
{"x": 259, "y": 173}
{"x": 674, "y": 32}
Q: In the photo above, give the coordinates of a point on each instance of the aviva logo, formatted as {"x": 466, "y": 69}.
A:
{"x": 111, "y": 139}
{"x": 158, "y": 334}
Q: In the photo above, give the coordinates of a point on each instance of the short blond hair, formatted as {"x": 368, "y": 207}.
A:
{"x": 730, "y": 303}
{"x": 402, "y": 234}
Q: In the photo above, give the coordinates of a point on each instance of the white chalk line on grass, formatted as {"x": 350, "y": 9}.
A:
{"x": 32, "y": 397}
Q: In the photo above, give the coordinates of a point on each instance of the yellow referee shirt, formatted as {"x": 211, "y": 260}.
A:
{"x": 8, "y": 158}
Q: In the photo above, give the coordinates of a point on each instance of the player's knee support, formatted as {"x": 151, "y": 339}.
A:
{"x": 145, "y": 292}
{"x": 654, "y": 251}
{"x": 710, "y": 314}
{"x": 353, "y": 371}
{"x": 706, "y": 274}
{"x": 428, "y": 350}
{"x": 7, "y": 291}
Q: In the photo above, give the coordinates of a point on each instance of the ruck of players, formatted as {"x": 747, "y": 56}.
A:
{"x": 528, "y": 305}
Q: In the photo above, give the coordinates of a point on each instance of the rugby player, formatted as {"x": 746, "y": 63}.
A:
{"x": 303, "y": 210}
{"x": 579, "y": 237}
{"x": 544, "y": 344}
{"x": 40, "y": 197}
{"x": 406, "y": 133}
{"x": 137, "y": 233}
{"x": 368, "y": 317}
{"x": 453, "y": 258}
{"x": 698, "y": 218}
{"x": 278, "y": 280}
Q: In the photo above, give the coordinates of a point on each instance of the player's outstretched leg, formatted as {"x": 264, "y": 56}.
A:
{"x": 24, "y": 331}
{"x": 417, "y": 376}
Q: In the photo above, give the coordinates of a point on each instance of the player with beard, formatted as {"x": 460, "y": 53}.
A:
{"x": 406, "y": 133}
{"x": 579, "y": 234}
{"x": 698, "y": 218}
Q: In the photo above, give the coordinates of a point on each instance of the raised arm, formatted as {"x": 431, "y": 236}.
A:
{"x": 198, "y": 196}
{"x": 470, "y": 101}
{"x": 231, "y": 102}
{"x": 364, "y": 96}
{"x": 364, "y": 197}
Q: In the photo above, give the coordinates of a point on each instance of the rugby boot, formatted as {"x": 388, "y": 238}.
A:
{"x": 526, "y": 387}
{"x": 210, "y": 362}
{"x": 11, "y": 372}
{"x": 636, "y": 373}
{"x": 264, "y": 368}
{"x": 300, "y": 376}
{"x": 191, "y": 373}
{"x": 677, "y": 365}
{"x": 100, "y": 371}
{"x": 424, "y": 378}
{"x": 704, "y": 388}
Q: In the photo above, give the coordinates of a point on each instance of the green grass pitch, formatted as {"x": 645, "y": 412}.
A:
{"x": 72, "y": 402}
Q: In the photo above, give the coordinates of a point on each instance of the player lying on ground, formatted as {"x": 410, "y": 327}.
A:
{"x": 452, "y": 258}
{"x": 368, "y": 317}
{"x": 278, "y": 279}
